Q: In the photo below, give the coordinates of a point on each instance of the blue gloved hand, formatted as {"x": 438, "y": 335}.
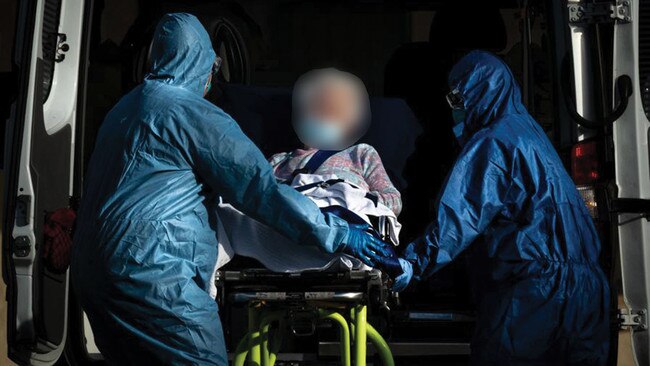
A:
{"x": 363, "y": 245}
{"x": 390, "y": 266}
{"x": 399, "y": 269}
{"x": 405, "y": 278}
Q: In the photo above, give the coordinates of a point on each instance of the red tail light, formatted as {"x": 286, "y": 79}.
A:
{"x": 585, "y": 170}
{"x": 584, "y": 163}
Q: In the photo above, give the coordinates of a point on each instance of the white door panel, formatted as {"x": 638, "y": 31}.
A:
{"x": 633, "y": 179}
{"x": 40, "y": 161}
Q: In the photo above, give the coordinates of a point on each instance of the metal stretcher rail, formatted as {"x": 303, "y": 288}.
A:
{"x": 242, "y": 297}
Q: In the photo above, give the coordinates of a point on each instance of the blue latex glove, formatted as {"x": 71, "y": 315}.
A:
{"x": 403, "y": 280}
{"x": 363, "y": 245}
{"x": 390, "y": 266}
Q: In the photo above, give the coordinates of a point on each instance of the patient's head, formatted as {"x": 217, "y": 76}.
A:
{"x": 331, "y": 109}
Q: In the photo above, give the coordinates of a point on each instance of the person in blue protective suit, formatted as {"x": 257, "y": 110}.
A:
{"x": 146, "y": 245}
{"x": 542, "y": 298}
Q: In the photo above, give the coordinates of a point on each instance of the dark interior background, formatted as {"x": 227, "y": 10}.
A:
{"x": 399, "y": 49}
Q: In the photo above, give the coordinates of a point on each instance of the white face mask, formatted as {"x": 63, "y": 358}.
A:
{"x": 321, "y": 134}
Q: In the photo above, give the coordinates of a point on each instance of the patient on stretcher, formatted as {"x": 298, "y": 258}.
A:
{"x": 331, "y": 112}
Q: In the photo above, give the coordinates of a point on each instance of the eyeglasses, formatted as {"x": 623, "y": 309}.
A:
{"x": 455, "y": 100}
{"x": 217, "y": 65}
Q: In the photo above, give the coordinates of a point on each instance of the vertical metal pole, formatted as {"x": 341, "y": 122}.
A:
{"x": 255, "y": 354}
{"x": 360, "y": 320}
{"x": 352, "y": 322}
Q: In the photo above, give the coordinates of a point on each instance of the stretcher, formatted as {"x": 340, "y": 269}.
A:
{"x": 418, "y": 327}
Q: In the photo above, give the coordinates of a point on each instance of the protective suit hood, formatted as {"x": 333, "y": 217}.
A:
{"x": 181, "y": 53}
{"x": 489, "y": 91}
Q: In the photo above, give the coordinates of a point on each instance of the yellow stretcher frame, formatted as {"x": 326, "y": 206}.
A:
{"x": 254, "y": 346}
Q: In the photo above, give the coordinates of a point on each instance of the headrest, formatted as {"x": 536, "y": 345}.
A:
{"x": 264, "y": 114}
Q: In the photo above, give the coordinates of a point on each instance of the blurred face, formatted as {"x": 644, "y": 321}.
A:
{"x": 334, "y": 103}
{"x": 330, "y": 109}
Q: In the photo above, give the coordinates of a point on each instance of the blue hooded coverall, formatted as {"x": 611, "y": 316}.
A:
{"x": 532, "y": 247}
{"x": 145, "y": 245}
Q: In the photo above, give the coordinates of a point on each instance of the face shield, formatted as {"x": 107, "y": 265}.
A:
{"x": 458, "y": 112}
{"x": 213, "y": 75}
{"x": 455, "y": 100}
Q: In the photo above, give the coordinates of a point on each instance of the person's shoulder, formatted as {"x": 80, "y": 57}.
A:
{"x": 361, "y": 150}
{"x": 504, "y": 131}
{"x": 363, "y": 147}
{"x": 179, "y": 99}
{"x": 198, "y": 110}
{"x": 488, "y": 143}
{"x": 363, "y": 154}
{"x": 198, "y": 103}
{"x": 184, "y": 115}
{"x": 509, "y": 123}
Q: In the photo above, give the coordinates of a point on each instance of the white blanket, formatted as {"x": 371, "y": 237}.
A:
{"x": 242, "y": 235}
{"x": 348, "y": 196}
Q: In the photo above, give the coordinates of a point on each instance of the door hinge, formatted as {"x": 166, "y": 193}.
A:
{"x": 632, "y": 319}
{"x": 22, "y": 246}
{"x": 589, "y": 13}
{"x": 61, "y": 47}
{"x": 23, "y": 204}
